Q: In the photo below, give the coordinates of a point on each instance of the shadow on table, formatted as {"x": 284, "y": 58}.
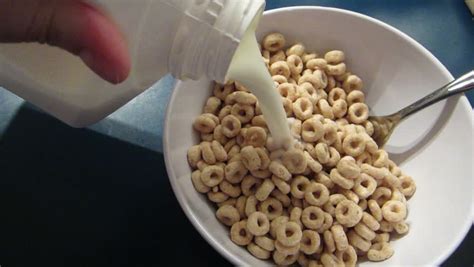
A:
{"x": 73, "y": 197}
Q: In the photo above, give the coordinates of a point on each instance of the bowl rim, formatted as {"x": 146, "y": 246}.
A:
{"x": 201, "y": 228}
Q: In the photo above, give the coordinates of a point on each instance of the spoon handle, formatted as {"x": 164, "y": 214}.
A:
{"x": 459, "y": 85}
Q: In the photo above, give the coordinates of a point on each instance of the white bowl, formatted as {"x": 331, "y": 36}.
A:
{"x": 434, "y": 146}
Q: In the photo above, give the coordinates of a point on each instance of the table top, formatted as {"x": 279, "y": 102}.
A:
{"x": 101, "y": 196}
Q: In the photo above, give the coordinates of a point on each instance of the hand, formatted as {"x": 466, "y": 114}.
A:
{"x": 73, "y": 25}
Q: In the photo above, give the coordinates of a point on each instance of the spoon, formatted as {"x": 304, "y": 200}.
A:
{"x": 384, "y": 125}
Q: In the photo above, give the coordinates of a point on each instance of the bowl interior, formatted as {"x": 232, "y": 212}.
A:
{"x": 434, "y": 146}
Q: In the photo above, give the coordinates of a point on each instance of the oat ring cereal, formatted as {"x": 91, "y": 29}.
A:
{"x": 330, "y": 198}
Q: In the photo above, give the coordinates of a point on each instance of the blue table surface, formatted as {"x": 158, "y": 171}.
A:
{"x": 101, "y": 196}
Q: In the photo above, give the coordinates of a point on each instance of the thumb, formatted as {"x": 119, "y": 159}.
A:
{"x": 72, "y": 25}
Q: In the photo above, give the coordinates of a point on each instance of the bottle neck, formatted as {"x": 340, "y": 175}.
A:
{"x": 208, "y": 36}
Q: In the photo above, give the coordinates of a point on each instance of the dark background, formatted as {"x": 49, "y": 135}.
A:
{"x": 77, "y": 197}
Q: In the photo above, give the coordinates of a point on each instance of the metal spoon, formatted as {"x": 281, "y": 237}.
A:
{"x": 384, "y": 125}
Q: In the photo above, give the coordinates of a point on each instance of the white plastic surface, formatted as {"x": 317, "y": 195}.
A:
{"x": 434, "y": 146}
{"x": 185, "y": 37}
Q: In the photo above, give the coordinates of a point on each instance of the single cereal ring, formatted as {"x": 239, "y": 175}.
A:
{"x": 244, "y": 113}
{"x": 273, "y": 42}
{"x": 309, "y": 77}
{"x": 271, "y": 207}
{"x": 380, "y": 252}
{"x": 228, "y": 202}
{"x": 350, "y": 195}
{"x": 364, "y": 186}
{"x": 381, "y": 238}
{"x": 231, "y": 126}
{"x": 265, "y": 243}
{"x": 322, "y": 77}
{"x": 381, "y": 195}
{"x": 394, "y": 211}
{"x": 250, "y": 158}
{"x": 219, "y": 151}
{"x": 287, "y": 250}
{"x": 353, "y": 145}
{"x": 357, "y": 241}
{"x": 229, "y": 144}
{"x": 303, "y": 108}
{"x": 201, "y": 165}
{"x": 279, "y": 79}
{"x": 380, "y": 158}
{"x": 408, "y": 186}
{"x": 240, "y": 206}
{"x": 316, "y": 63}
{"x": 235, "y": 172}
{"x": 250, "y": 205}
{"x": 197, "y": 183}
{"x": 298, "y": 186}
{"x": 312, "y": 217}
{"x": 375, "y": 210}
{"x": 207, "y": 153}
{"x": 264, "y": 190}
{"x": 386, "y": 226}
{"x": 283, "y": 198}
{"x": 340, "y": 180}
{"x": 310, "y": 242}
{"x": 339, "y": 108}
{"x": 364, "y": 158}
{"x": 348, "y": 213}
{"x": 225, "y": 111}
{"x": 204, "y": 124}
{"x": 313, "y": 165}
{"x": 278, "y": 56}
{"x": 340, "y": 238}
{"x": 295, "y": 63}
{"x": 393, "y": 168}
{"x": 334, "y": 57}
{"x": 262, "y": 174}
{"x": 221, "y": 91}
{"x": 295, "y": 215}
{"x": 401, "y": 227}
{"x": 336, "y": 69}
{"x": 230, "y": 189}
{"x": 391, "y": 181}
{"x": 279, "y": 170}
{"x": 321, "y": 153}
{"x": 207, "y": 137}
{"x": 377, "y": 173}
{"x": 284, "y": 260}
{"x": 296, "y": 49}
{"x": 370, "y": 221}
{"x": 334, "y": 157}
{"x": 364, "y": 231}
{"x": 239, "y": 233}
{"x": 288, "y": 106}
{"x": 316, "y": 194}
{"x": 330, "y": 260}
{"x": 358, "y": 113}
{"x": 294, "y": 161}
{"x": 312, "y": 130}
{"x": 220, "y": 137}
{"x": 289, "y": 234}
{"x": 212, "y": 105}
{"x": 258, "y": 224}
{"x": 308, "y": 57}
{"x": 287, "y": 90}
{"x": 348, "y": 167}
{"x": 355, "y": 97}
{"x": 280, "y": 68}
{"x": 258, "y": 252}
{"x": 348, "y": 256}
{"x": 241, "y": 97}
{"x": 325, "y": 109}
{"x": 249, "y": 185}
{"x": 336, "y": 94}
{"x": 330, "y": 134}
{"x": 256, "y": 136}
{"x": 194, "y": 155}
{"x": 281, "y": 185}
{"x": 234, "y": 155}
{"x": 228, "y": 215}
{"x": 217, "y": 197}
{"x": 212, "y": 175}
{"x": 327, "y": 223}
{"x": 276, "y": 222}
{"x": 329, "y": 244}
{"x": 352, "y": 83}
{"x": 295, "y": 129}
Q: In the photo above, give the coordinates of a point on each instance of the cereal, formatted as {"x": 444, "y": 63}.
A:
{"x": 228, "y": 215}
{"x": 332, "y": 196}
{"x": 258, "y": 224}
{"x": 273, "y": 42}
{"x": 258, "y": 252}
{"x": 239, "y": 233}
